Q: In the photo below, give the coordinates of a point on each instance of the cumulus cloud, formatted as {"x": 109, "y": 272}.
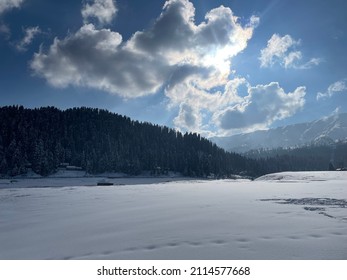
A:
{"x": 9, "y": 4}
{"x": 96, "y": 59}
{"x": 29, "y": 35}
{"x": 238, "y": 107}
{"x": 282, "y": 50}
{"x": 277, "y": 49}
{"x": 173, "y": 48}
{"x": 101, "y": 10}
{"x": 191, "y": 63}
{"x": 263, "y": 105}
{"x": 334, "y": 88}
{"x": 189, "y": 118}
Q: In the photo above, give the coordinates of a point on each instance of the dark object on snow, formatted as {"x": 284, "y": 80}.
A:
{"x": 104, "y": 183}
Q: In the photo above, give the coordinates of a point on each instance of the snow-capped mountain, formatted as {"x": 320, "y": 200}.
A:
{"x": 320, "y": 132}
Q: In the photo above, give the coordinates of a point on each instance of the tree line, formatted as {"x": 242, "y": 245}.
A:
{"x": 98, "y": 141}
{"x": 311, "y": 157}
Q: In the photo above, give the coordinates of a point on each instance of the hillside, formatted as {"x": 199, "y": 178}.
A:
{"x": 313, "y": 157}
{"x": 95, "y": 141}
{"x": 323, "y": 131}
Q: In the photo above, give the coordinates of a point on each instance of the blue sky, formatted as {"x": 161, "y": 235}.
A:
{"x": 213, "y": 67}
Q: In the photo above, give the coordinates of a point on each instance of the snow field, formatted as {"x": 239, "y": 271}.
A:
{"x": 271, "y": 218}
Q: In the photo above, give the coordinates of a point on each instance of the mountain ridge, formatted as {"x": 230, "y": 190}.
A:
{"x": 322, "y": 131}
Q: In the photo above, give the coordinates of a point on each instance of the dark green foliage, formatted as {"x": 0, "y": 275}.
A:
{"x": 307, "y": 158}
{"x": 100, "y": 141}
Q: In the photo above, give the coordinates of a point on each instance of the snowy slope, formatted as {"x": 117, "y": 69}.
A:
{"x": 323, "y": 131}
{"x": 305, "y": 176}
{"x": 272, "y": 218}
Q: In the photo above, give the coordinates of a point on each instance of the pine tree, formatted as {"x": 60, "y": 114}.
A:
{"x": 100, "y": 141}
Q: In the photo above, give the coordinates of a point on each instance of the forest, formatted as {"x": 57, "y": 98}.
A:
{"x": 311, "y": 157}
{"x": 98, "y": 141}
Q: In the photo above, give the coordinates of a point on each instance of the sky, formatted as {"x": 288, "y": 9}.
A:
{"x": 218, "y": 67}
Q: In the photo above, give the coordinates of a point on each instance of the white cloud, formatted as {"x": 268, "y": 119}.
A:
{"x": 96, "y": 59}
{"x": 337, "y": 87}
{"x": 189, "y": 118}
{"x": 264, "y": 105}
{"x": 291, "y": 58}
{"x": 190, "y": 62}
{"x": 254, "y": 21}
{"x": 277, "y": 49}
{"x": 102, "y": 10}
{"x": 174, "y": 48}
{"x": 236, "y": 108}
{"x": 309, "y": 64}
{"x": 9, "y": 4}
{"x": 282, "y": 50}
{"x": 29, "y": 35}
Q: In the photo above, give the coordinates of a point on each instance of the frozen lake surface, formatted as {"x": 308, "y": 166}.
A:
{"x": 300, "y": 215}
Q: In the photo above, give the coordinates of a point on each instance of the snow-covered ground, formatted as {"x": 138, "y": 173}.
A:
{"x": 83, "y": 181}
{"x": 279, "y": 216}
